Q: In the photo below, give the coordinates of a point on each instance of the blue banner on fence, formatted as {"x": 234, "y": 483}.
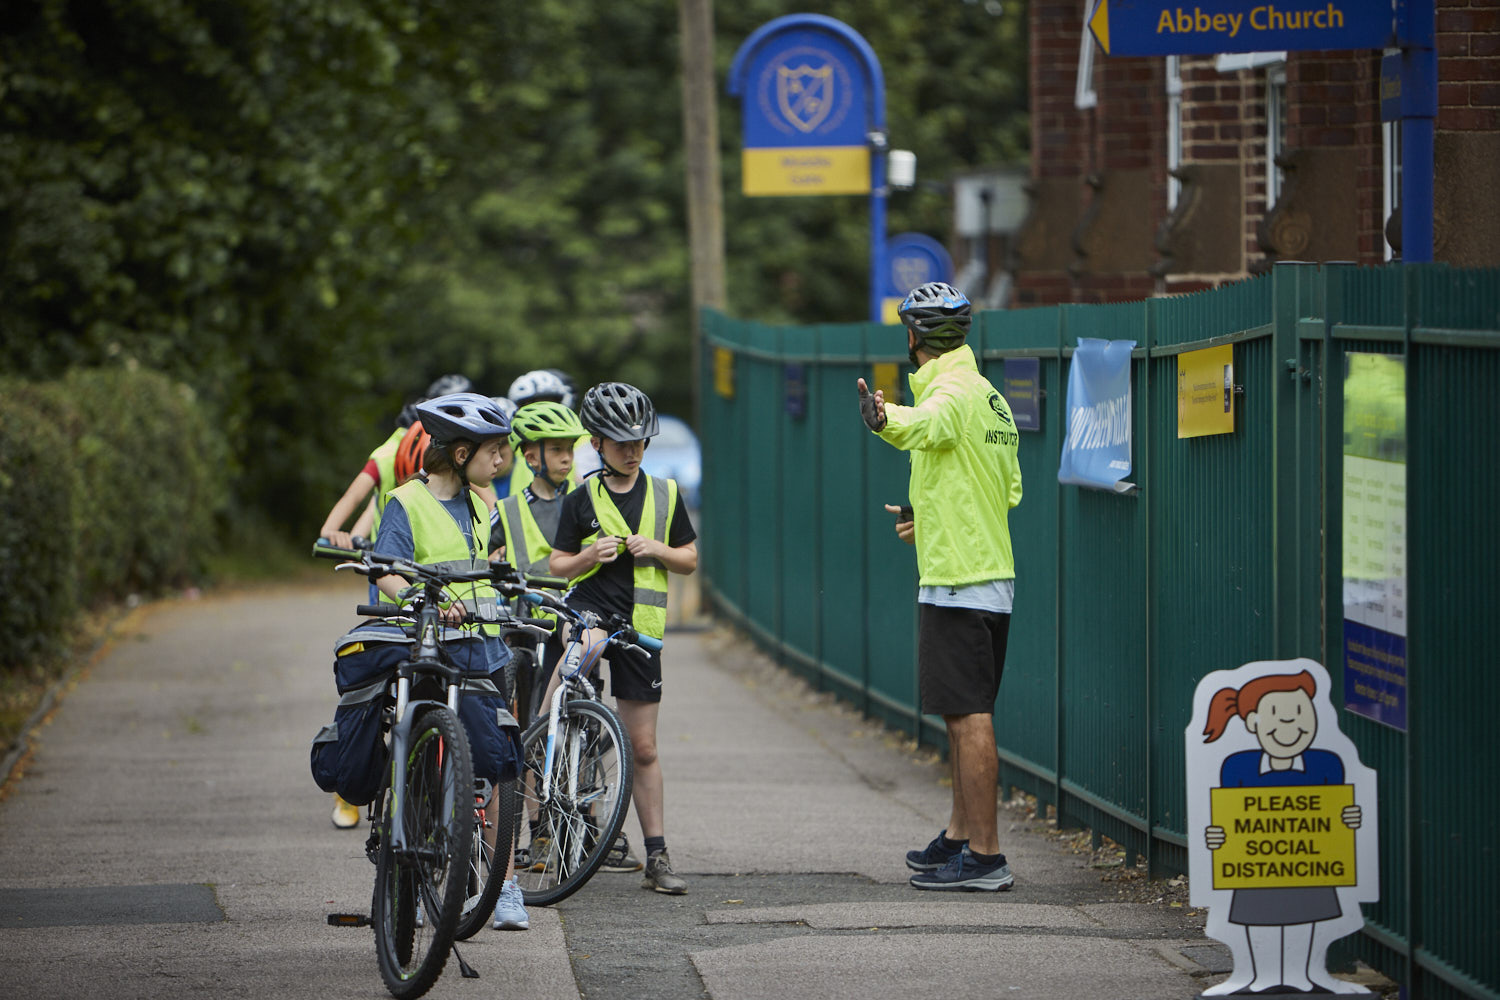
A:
{"x": 1096, "y": 451}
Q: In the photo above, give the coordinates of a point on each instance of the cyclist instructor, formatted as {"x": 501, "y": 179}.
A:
{"x": 964, "y": 481}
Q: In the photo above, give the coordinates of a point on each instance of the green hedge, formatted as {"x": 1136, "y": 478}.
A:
{"x": 111, "y": 483}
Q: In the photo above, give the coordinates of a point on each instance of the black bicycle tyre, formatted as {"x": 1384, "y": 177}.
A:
{"x": 487, "y": 865}
{"x": 439, "y": 769}
{"x": 570, "y": 861}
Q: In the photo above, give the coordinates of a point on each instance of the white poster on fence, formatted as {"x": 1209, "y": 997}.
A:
{"x": 1096, "y": 451}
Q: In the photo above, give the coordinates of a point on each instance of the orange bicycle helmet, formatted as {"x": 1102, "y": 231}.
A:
{"x": 410, "y": 451}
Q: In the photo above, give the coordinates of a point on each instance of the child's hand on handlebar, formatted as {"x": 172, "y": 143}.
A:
{"x": 454, "y": 613}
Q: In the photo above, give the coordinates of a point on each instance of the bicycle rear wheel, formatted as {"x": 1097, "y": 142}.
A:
{"x": 434, "y": 813}
{"x": 487, "y": 861}
{"x": 569, "y": 818}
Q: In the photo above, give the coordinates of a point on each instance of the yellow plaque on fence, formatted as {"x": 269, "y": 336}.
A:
{"x": 724, "y": 372}
{"x": 1205, "y": 392}
{"x": 1280, "y": 838}
{"x": 887, "y": 376}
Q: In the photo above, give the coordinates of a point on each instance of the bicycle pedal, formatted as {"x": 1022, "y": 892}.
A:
{"x": 348, "y": 920}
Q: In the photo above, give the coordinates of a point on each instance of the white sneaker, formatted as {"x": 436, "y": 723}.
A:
{"x": 510, "y": 909}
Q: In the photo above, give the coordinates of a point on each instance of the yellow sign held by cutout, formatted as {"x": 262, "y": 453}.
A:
{"x": 1278, "y": 838}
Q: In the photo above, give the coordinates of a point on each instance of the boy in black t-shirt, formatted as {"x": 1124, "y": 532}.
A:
{"x": 617, "y": 538}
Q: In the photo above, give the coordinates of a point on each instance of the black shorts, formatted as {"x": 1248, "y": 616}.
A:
{"x": 632, "y": 676}
{"x": 960, "y": 656}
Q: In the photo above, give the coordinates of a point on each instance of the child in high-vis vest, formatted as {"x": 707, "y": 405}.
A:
{"x": 439, "y": 518}
{"x": 542, "y": 436}
{"x": 618, "y": 536}
{"x": 379, "y": 474}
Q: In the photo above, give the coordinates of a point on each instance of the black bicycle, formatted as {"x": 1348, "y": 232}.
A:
{"x": 440, "y": 843}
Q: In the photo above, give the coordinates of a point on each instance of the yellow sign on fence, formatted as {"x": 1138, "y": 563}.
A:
{"x": 1205, "y": 392}
{"x": 1283, "y": 837}
{"x": 724, "y": 372}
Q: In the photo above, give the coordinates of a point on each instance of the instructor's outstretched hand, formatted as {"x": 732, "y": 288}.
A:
{"x": 872, "y": 407}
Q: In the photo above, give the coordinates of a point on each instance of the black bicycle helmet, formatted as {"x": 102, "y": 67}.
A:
{"x": 462, "y": 416}
{"x": 938, "y": 314}
{"x": 620, "y": 412}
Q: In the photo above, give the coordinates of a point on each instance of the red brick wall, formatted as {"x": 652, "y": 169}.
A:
{"x": 1058, "y": 130}
{"x": 1468, "y": 46}
{"x": 1333, "y": 100}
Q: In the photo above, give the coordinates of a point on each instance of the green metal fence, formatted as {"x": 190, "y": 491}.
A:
{"x": 1228, "y": 552}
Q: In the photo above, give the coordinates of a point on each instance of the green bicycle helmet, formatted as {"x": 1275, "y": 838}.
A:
{"x": 543, "y": 420}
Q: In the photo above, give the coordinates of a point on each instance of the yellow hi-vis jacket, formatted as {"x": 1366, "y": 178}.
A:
{"x": 650, "y": 613}
{"x": 384, "y": 458}
{"x": 965, "y": 476}
{"x": 526, "y": 548}
{"x": 437, "y": 539}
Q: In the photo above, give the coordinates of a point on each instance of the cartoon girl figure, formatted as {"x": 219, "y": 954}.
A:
{"x": 1278, "y": 710}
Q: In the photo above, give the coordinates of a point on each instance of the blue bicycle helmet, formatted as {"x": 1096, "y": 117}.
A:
{"x": 462, "y": 416}
{"x": 938, "y": 314}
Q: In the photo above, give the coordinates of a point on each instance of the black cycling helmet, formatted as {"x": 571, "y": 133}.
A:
{"x": 447, "y": 385}
{"x": 938, "y": 314}
{"x": 619, "y": 412}
{"x": 464, "y": 416}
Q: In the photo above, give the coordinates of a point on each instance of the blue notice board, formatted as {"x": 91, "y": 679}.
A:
{"x": 1207, "y": 27}
{"x": 1023, "y": 391}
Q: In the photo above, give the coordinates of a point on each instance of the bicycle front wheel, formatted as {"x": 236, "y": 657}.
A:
{"x": 571, "y": 812}
{"x": 493, "y": 842}
{"x": 421, "y": 870}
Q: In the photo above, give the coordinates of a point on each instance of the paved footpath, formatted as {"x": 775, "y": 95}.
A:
{"x": 165, "y": 840}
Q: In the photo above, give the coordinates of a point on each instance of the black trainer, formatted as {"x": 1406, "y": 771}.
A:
{"x": 934, "y": 855}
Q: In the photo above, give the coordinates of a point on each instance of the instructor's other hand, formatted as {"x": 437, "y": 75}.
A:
{"x": 906, "y": 527}
{"x": 872, "y": 408}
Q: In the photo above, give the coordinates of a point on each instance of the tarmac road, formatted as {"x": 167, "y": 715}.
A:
{"x": 165, "y": 840}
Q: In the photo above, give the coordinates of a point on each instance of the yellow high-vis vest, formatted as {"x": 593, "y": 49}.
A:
{"x": 438, "y": 540}
{"x": 650, "y": 613}
{"x": 384, "y": 458}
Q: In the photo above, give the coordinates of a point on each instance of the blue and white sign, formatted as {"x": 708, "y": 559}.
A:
{"x": 912, "y": 259}
{"x": 1096, "y": 451}
{"x": 805, "y": 85}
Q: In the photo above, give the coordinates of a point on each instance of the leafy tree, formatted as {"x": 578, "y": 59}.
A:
{"x": 309, "y": 208}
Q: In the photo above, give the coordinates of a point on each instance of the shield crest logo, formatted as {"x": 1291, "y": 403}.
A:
{"x": 910, "y": 272}
{"x": 805, "y": 95}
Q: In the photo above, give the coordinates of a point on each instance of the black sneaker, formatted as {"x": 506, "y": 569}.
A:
{"x": 934, "y": 855}
{"x": 619, "y": 859}
{"x": 661, "y": 877}
{"x": 964, "y": 873}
